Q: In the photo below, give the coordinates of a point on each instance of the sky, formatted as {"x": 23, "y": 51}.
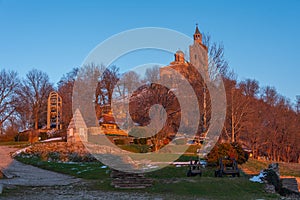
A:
{"x": 261, "y": 38}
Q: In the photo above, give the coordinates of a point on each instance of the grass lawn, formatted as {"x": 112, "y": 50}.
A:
{"x": 173, "y": 180}
{"x": 212, "y": 188}
{"x": 170, "y": 180}
{"x": 91, "y": 170}
{"x": 286, "y": 169}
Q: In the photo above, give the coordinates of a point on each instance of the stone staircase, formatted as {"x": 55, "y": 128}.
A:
{"x": 129, "y": 180}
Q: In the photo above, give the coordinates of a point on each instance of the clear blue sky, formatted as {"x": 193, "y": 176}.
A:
{"x": 261, "y": 38}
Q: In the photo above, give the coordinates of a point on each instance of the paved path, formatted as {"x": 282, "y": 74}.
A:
{"x": 27, "y": 175}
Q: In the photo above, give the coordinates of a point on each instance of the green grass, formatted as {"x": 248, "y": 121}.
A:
{"x": 285, "y": 169}
{"x": 177, "y": 172}
{"x": 170, "y": 180}
{"x": 91, "y": 170}
{"x": 173, "y": 180}
{"x": 212, "y": 188}
{"x": 164, "y": 157}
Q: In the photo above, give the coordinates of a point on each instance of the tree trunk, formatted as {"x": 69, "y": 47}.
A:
{"x": 232, "y": 127}
{"x": 36, "y": 119}
{"x": 232, "y": 120}
{"x": 204, "y": 111}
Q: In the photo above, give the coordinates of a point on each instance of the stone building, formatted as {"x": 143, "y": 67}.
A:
{"x": 199, "y": 53}
{"x": 195, "y": 71}
{"x": 77, "y": 129}
{"x": 198, "y": 59}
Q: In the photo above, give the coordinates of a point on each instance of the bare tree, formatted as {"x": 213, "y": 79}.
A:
{"x": 9, "y": 83}
{"x": 106, "y": 85}
{"x": 270, "y": 95}
{"x": 298, "y": 104}
{"x": 217, "y": 63}
{"x": 251, "y": 129}
{"x": 270, "y": 122}
{"x": 237, "y": 109}
{"x": 33, "y": 95}
{"x": 250, "y": 88}
{"x": 65, "y": 90}
{"x": 128, "y": 82}
{"x": 86, "y": 92}
{"x": 152, "y": 74}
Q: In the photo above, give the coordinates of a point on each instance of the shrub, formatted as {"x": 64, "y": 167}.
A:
{"x": 53, "y": 156}
{"x": 89, "y": 158}
{"x": 28, "y": 155}
{"x": 74, "y": 157}
{"x": 242, "y": 155}
{"x": 233, "y": 150}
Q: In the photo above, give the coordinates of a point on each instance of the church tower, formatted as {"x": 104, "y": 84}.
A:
{"x": 198, "y": 35}
{"x": 198, "y": 53}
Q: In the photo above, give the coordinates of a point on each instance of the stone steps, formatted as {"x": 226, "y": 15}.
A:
{"x": 130, "y": 180}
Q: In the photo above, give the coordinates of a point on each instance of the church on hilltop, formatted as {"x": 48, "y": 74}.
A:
{"x": 198, "y": 53}
{"x": 194, "y": 70}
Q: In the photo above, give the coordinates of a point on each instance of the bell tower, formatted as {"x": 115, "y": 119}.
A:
{"x": 197, "y": 35}
{"x": 198, "y": 53}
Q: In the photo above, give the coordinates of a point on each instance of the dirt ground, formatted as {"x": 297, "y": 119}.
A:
{"x": 74, "y": 191}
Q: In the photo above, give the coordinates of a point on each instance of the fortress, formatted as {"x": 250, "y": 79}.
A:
{"x": 198, "y": 62}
